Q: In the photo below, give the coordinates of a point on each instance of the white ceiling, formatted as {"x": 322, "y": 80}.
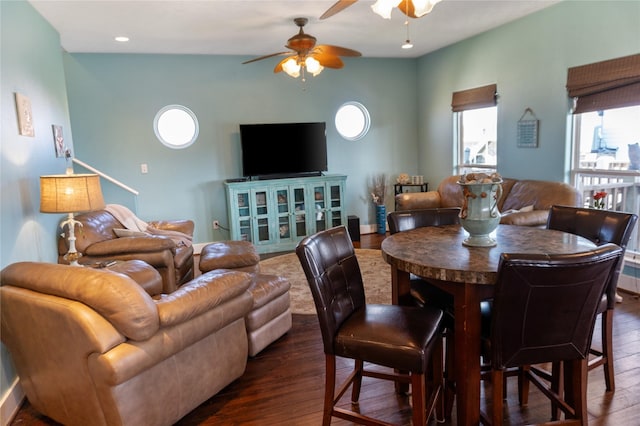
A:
{"x": 260, "y": 27}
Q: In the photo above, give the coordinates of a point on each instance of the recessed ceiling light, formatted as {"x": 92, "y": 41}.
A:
{"x": 122, "y": 39}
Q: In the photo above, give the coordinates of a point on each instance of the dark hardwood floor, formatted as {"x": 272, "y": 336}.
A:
{"x": 284, "y": 384}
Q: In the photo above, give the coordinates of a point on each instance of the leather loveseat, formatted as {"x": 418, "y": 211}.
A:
{"x": 91, "y": 347}
{"x": 523, "y": 202}
{"x": 97, "y": 241}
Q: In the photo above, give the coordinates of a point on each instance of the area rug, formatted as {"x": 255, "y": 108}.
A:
{"x": 376, "y": 275}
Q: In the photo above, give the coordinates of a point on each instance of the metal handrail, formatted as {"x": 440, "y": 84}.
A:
{"x": 107, "y": 177}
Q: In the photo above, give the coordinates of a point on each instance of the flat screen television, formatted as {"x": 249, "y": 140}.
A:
{"x": 283, "y": 149}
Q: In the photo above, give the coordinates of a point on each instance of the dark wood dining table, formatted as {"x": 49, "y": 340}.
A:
{"x": 436, "y": 253}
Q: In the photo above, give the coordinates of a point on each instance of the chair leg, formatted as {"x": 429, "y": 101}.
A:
{"x": 357, "y": 382}
{"x": 607, "y": 349}
{"x": 523, "y": 385}
{"x": 576, "y": 387}
{"x": 418, "y": 391}
{"x": 329, "y": 389}
{"x": 557, "y": 386}
{"x": 437, "y": 399}
{"x": 449, "y": 378}
{"x": 497, "y": 396}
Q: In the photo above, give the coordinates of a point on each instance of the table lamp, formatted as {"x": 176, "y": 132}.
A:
{"x": 70, "y": 193}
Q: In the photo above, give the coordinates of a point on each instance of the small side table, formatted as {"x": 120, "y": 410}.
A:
{"x": 421, "y": 187}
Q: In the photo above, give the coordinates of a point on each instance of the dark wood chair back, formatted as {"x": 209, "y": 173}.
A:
{"x": 410, "y": 219}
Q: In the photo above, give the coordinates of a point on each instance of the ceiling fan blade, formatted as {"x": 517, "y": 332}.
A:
{"x": 266, "y": 56}
{"x": 336, "y": 50}
{"x": 339, "y": 6}
{"x": 328, "y": 60}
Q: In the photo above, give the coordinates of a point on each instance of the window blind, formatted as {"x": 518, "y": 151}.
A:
{"x": 479, "y": 97}
{"x": 614, "y": 83}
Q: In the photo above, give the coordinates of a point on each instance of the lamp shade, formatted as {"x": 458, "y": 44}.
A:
{"x": 70, "y": 193}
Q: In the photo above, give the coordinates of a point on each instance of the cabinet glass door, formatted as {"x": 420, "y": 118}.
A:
{"x": 299, "y": 212}
{"x": 244, "y": 215}
{"x": 261, "y": 216}
{"x": 336, "y": 205}
{"x": 320, "y": 207}
{"x": 284, "y": 213}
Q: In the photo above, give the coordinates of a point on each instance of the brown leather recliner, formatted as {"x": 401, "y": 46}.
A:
{"x": 91, "y": 347}
{"x": 97, "y": 242}
{"x": 527, "y": 202}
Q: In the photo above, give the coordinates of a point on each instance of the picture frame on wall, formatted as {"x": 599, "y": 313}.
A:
{"x": 58, "y": 140}
{"x": 25, "y": 116}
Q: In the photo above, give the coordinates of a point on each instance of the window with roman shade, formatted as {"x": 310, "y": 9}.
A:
{"x": 614, "y": 83}
{"x": 606, "y": 135}
{"x": 475, "y": 134}
{"x": 479, "y": 97}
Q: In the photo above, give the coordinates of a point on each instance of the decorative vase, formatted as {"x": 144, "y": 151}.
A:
{"x": 479, "y": 215}
{"x": 381, "y": 218}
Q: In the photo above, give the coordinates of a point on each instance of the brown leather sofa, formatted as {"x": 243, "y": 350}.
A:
{"x": 523, "y": 202}
{"x": 97, "y": 242}
{"x": 91, "y": 347}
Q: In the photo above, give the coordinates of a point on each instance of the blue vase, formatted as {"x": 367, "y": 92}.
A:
{"x": 381, "y": 218}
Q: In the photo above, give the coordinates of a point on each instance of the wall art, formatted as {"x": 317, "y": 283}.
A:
{"x": 25, "y": 117}
{"x": 58, "y": 140}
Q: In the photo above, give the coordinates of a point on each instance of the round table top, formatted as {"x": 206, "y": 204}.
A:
{"x": 437, "y": 252}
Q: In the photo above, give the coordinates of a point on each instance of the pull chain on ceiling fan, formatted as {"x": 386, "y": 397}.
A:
{"x": 305, "y": 56}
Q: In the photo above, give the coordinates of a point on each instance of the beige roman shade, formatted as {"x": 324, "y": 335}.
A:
{"x": 480, "y": 97}
{"x": 603, "y": 85}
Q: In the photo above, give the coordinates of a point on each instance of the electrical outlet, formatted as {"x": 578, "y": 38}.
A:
{"x": 144, "y": 168}
{"x": 216, "y": 224}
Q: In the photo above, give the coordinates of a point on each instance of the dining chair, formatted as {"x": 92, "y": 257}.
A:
{"x": 600, "y": 227}
{"x": 539, "y": 293}
{"x": 422, "y": 293}
{"x": 401, "y": 338}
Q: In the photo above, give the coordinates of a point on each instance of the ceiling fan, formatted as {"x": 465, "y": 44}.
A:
{"x": 307, "y": 56}
{"x": 411, "y": 8}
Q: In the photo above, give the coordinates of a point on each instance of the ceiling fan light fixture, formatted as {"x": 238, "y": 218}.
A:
{"x": 291, "y": 67}
{"x": 313, "y": 66}
{"x": 384, "y": 7}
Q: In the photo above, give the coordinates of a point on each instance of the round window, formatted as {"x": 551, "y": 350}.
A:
{"x": 352, "y": 121}
{"x": 176, "y": 126}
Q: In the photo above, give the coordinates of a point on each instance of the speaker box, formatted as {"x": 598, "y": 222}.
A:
{"x": 353, "y": 226}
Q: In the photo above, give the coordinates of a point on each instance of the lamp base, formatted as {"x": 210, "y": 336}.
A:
{"x": 72, "y": 255}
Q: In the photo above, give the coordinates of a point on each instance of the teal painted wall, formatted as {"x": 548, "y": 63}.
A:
{"x": 528, "y": 60}
{"x": 31, "y": 64}
{"x": 113, "y": 100}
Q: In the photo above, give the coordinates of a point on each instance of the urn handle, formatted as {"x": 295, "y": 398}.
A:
{"x": 494, "y": 208}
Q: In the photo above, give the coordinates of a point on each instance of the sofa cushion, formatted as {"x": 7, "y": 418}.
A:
{"x": 541, "y": 194}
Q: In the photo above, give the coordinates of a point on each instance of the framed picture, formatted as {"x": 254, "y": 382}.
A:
{"x": 25, "y": 117}
{"x": 58, "y": 140}
{"x": 527, "y": 135}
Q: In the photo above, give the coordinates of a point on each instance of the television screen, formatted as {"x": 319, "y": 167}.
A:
{"x": 283, "y": 149}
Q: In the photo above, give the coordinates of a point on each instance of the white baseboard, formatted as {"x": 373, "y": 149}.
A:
{"x": 10, "y": 403}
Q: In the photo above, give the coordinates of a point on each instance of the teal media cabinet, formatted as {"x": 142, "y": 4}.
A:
{"x": 276, "y": 214}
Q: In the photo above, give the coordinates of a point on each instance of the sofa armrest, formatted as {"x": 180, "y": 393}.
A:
{"x": 202, "y": 294}
{"x": 531, "y": 218}
{"x": 418, "y": 200}
{"x": 130, "y": 245}
{"x": 185, "y": 226}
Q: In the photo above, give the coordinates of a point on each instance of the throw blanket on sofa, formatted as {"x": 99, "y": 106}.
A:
{"x": 132, "y": 222}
